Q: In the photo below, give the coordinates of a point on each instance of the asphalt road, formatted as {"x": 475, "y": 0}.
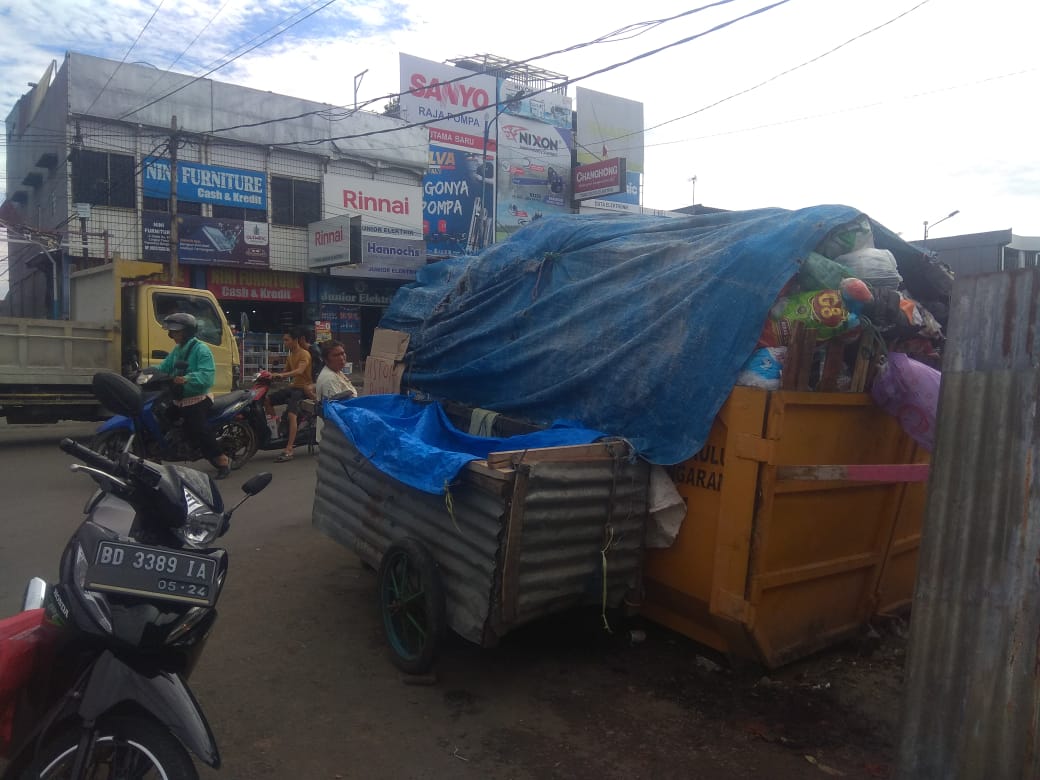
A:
{"x": 296, "y": 683}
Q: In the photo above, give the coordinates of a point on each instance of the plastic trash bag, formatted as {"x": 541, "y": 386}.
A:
{"x": 909, "y": 391}
{"x": 876, "y": 267}
{"x": 667, "y": 510}
{"x": 846, "y": 238}
{"x": 821, "y": 273}
{"x": 763, "y": 368}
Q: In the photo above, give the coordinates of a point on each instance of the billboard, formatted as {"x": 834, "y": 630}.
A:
{"x": 459, "y": 186}
{"x": 547, "y": 106}
{"x": 455, "y": 188}
{"x": 449, "y": 98}
{"x": 609, "y": 126}
{"x": 329, "y": 242}
{"x": 597, "y": 179}
{"x": 534, "y": 166}
{"x": 206, "y": 183}
{"x": 206, "y": 240}
{"x": 390, "y": 214}
{"x": 233, "y": 284}
{"x": 387, "y": 208}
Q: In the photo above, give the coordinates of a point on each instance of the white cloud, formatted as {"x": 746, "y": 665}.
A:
{"x": 894, "y": 123}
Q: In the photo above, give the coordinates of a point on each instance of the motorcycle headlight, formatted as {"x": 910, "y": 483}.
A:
{"x": 202, "y": 525}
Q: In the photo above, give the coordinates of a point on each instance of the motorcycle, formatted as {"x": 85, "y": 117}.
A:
{"x": 274, "y": 435}
{"x": 153, "y": 435}
{"x": 95, "y": 668}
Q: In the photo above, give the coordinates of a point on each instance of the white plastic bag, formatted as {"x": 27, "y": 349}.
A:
{"x": 667, "y": 510}
{"x": 876, "y": 267}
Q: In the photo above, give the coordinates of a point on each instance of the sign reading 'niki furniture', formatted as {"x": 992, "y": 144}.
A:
{"x": 206, "y": 183}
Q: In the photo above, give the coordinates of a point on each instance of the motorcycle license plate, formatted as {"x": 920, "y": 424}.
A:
{"x": 154, "y": 572}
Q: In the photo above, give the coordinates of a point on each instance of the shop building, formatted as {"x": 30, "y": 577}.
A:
{"x": 89, "y": 172}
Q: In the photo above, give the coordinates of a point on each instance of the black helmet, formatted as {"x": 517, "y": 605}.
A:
{"x": 181, "y": 321}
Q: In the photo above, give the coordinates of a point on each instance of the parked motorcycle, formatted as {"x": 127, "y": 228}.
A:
{"x": 158, "y": 435}
{"x": 273, "y": 435}
{"x": 95, "y": 669}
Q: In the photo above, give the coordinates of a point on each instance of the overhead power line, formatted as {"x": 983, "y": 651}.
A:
{"x": 229, "y": 61}
{"x": 132, "y": 45}
{"x": 565, "y": 82}
{"x": 782, "y": 73}
{"x": 612, "y": 37}
{"x": 186, "y": 48}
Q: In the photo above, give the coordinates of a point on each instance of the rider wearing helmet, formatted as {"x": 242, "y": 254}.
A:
{"x": 192, "y": 386}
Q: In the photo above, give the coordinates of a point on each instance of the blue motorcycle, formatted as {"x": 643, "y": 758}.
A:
{"x": 157, "y": 434}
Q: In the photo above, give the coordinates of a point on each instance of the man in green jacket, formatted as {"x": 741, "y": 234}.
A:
{"x": 193, "y": 386}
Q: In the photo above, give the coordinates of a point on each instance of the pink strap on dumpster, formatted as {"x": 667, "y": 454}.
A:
{"x": 881, "y": 472}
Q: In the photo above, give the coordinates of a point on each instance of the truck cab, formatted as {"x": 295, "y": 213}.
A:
{"x": 147, "y": 343}
{"x": 116, "y": 324}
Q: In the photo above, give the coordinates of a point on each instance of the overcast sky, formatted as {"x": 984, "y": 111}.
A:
{"x": 906, "y": 110}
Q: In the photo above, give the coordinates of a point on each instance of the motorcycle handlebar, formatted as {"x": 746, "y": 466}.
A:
{"x": 88, "y": 456}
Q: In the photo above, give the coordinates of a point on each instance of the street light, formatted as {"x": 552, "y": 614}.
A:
{"x": 953, "y": 213}
{"x": 693, "y": 191}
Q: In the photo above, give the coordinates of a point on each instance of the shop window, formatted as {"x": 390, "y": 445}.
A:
{"x": 237, "y": 212}
{"x": 209, "y": 321}
{"x": 295, "y": 201}
{"x": 103, "y": 178}
{"x": 163, "y": 205}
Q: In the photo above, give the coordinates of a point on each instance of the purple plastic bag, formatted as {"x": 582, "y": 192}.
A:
{"x": 909, "y": 391}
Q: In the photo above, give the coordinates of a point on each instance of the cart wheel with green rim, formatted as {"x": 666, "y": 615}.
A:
{"x": 411, "y": 600}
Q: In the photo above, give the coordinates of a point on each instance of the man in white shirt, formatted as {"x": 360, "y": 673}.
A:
{"x": 332, "y": 382}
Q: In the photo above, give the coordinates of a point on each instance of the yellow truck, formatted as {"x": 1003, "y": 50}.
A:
{"x": 46, "y": 366}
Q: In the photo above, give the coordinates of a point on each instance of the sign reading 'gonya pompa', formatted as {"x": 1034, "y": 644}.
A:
{"x": 206, "y": 183}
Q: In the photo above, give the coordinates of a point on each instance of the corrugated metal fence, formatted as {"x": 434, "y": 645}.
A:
{"x": 972, "y": 697}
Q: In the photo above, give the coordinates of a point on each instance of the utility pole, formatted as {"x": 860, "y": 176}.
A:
{"x": 175, "y": 270}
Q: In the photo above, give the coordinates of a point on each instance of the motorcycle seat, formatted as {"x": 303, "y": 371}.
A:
{"x": 222, "y": 402}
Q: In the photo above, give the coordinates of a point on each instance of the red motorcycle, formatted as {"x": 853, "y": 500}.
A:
{"x": 273, "y": 434}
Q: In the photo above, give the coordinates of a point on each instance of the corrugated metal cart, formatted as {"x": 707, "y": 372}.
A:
{"x": 521, "y": 535}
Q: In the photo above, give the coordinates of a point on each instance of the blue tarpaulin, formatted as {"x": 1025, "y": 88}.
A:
{"x": 416, "y": 443}
{"x": 636, "y": 326}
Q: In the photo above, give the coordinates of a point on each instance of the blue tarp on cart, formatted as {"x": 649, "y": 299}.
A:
{"x": 416, "y": 443}
{"x": 636, "y": 326}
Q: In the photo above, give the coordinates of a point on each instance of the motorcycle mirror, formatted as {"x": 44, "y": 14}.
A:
{"x": 117, "y": 393}
{"x": 257, "y": 483}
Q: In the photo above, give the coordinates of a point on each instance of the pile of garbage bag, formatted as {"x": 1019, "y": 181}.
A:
{"x": 850, "y": 293}
{"x": 640, "y": 326}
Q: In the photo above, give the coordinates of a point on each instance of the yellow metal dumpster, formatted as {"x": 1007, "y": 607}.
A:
{"x": 803, "y": 521}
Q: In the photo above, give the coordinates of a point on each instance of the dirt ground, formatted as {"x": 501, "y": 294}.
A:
{"x": 834, "y": 714}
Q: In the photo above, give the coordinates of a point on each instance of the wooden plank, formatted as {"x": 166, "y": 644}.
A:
{"x": 868, "y": 472}
{"x": 511, "y": 556}
{"x": 789, "y": 376}
{"x": 864, "y": 353}
{"x": 805, "y": 358}
{"x": 832, "y": 365}
{"x": 594, "y": 451}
